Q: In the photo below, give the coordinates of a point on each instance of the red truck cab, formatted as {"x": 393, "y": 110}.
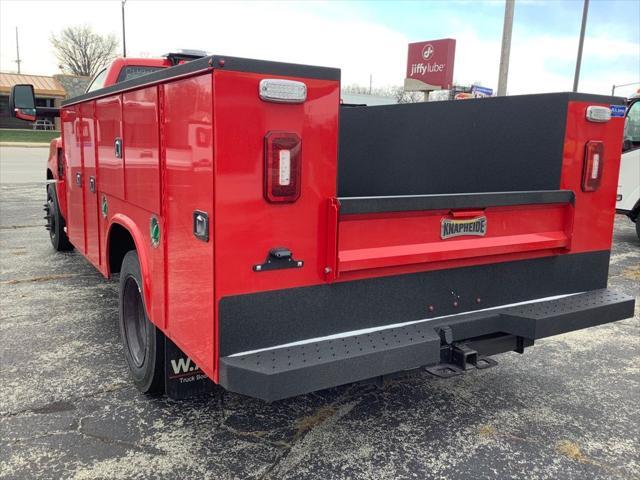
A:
{"x": 119, "y": 70}
{"x": 122, "y": 69}
{"x": 287, "y": 244}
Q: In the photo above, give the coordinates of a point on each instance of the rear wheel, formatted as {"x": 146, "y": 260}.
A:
{"x": 55, "y": 221}
{"x": 638, "y": 227}
{"x": 143, "y": 342}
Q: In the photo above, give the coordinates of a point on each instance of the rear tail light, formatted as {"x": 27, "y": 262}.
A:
{"x": 592, "y": 168}
{"x": 282, "y": 167}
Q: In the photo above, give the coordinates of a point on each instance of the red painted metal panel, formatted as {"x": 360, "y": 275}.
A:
{"x": 141, "y": 148}
{"x": 87, "y": 112}
{"x": 72, "y": 132}
{"x": 109, "y": 125}
{"x": 248, "y": 226}
{"x": 378, "y": 257}
{"x": 397, "y": 239}
{"x": 56, "y": 157}
{"x": 136, "y": 221}
{"x": 188, "y": 143}
{"x": 331, "y": 268}
{"x": 595, "y": 211}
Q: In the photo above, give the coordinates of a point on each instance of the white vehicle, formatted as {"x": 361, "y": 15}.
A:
{"x": 628, "y": 199}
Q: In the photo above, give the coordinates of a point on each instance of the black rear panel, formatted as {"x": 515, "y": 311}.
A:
{"x": 484, "y": 145}
{"x": 265, "y": 319}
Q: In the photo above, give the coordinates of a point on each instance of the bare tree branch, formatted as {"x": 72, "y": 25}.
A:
{"x": 395, "y": 92}
{"x": 81, "y": 51}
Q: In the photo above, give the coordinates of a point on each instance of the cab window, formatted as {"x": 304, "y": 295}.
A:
{"x": 632, "y": 127}
{"x": 98, "y": 81}
{"x": 134, "y": 71}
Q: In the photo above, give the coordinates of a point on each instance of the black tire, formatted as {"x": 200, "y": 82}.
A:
{"x": 143, "y": 342}
{"x": 55, "y": 221}
{"x": 638, "y": 227}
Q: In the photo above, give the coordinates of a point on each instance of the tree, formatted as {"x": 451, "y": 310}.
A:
{"x": 407, "y": 97}
{"x": 397, "y": 92}
{"x": 81, "y": 51}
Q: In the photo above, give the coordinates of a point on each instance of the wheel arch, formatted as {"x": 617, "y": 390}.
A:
{"x": 55, "y": 152}
{"x": 634, "y": 213}
{"x": 122, "y": 235}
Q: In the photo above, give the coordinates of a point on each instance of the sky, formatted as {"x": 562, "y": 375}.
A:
{"x": 362, "y": 38}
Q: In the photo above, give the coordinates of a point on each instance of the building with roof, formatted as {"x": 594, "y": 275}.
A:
{"x": 49, "y": 91}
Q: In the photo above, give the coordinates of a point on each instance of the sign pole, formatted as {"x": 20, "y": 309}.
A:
{"x": 506, "y": 47}
{"x": 576, "y": 77}
{"x": 124, "y": 39}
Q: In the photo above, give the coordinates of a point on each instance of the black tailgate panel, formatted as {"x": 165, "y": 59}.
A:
{"x": 484, "y": 145}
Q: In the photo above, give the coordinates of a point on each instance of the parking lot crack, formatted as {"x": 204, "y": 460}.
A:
{"x": 13, "y": 227}
{"x": 39, "y": 409}
{"x": 255, "y": 435}
{"x": 323, "y": 417}
{"x": 42, "y": 278}
{"x": 117, "y": 441}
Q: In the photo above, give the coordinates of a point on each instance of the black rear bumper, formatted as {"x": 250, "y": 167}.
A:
{"x": 283, "y": 372}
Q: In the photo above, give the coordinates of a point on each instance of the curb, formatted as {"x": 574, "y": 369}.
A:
{"x": 24, "y": 144}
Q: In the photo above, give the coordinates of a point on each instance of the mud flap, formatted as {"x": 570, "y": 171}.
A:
{"x": 183, "y": 378}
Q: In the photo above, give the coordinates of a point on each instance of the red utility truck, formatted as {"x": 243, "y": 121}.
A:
{"x": 287, "y": 244}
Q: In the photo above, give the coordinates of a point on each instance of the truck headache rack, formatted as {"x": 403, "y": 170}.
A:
{"x": 285, "y": 371}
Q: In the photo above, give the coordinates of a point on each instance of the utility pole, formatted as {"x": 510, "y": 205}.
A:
{"x": 124, "y": 38}
{"x": 18, "y": 61}
{"x": 576, "y": 77}
{"x": 507, "y": 28}
{"x": 370, "y": 82}
{"x": 613, "y": 87}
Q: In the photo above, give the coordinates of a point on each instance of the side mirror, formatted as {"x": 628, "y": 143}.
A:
{"x": 22, "y": 102}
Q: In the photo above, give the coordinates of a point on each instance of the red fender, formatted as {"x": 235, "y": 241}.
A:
{"x": 52, "y": 162}
{"x": 138, "y": 240}
{"x": 55, "y": 146}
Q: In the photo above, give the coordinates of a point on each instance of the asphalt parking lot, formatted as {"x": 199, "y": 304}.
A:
{"x": 567, "y": 408}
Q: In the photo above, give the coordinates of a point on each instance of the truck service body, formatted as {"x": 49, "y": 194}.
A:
{"x": 286, "y": 244}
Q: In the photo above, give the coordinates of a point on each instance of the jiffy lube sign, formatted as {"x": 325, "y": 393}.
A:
{"x": 431, "y": 62}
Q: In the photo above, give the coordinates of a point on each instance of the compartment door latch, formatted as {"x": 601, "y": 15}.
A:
{"x": 201, "y": 225}
{"x": 278, "y": 258}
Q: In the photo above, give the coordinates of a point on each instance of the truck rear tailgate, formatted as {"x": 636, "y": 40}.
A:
{"x": 378, "y": 232}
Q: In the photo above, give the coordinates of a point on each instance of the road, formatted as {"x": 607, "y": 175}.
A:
{"x": 567, "y": 408}
{"x": 23, "y": 165}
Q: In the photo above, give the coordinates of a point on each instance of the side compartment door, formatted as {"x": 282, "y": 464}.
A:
{"x": 90, "y": 181}
{"x": 187, "y": 123}
{"x": 72, "y": 134}
{"x": 110, "y": 150}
